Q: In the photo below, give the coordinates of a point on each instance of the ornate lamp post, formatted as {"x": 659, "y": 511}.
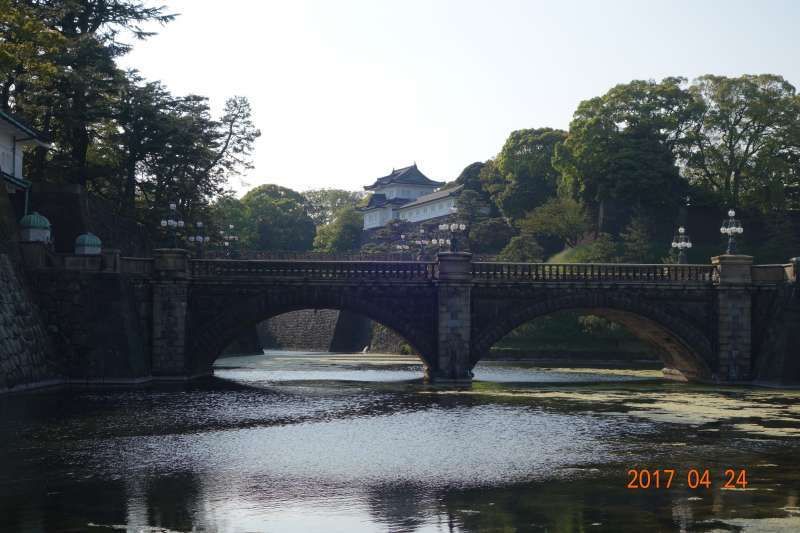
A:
{"x": 173, "y": 222}
{"x": 454, "y": 230}
{"x": 681, "y": 242}
{"x": 201, "y": 239}
{"x": 229, "y": 240}
{"x": 731, "y": 227}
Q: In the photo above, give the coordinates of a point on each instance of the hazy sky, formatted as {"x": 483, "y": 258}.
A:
{"x": 343, "y": 91}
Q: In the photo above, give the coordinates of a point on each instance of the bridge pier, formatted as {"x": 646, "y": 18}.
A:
{"x": 170, "y": 301}
{"x": 734, "y": 317}
{"x": 454, "y": 285}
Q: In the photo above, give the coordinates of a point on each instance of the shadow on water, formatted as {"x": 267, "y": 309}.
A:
{"x": 320, "y": 442}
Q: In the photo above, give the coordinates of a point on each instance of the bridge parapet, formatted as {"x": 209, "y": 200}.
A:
{"x": 593, "y": 272}
{"x": 771, "y": 274}
{"x": 314, "y": 270}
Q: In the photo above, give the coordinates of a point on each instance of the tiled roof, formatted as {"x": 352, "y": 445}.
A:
{"x": 408, "y": 175}
{"x": 438, "y": 195}
{"x": 379, "y": 200}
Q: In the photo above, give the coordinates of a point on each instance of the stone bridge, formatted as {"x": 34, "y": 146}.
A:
{"x": 726, "y": 322}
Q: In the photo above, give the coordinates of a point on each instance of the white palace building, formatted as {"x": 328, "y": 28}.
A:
{"x": 407, "y": 194}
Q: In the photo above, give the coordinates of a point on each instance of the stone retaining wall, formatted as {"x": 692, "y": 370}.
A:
{"x": 26, "y": 358}
{"x": 99, "y": 324}
{"x": 324, "y": 330}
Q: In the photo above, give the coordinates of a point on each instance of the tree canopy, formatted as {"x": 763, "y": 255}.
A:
{"x": 324, "y": 204}
{"x": 522, "y": 176}
{"x": 342, "y": 234}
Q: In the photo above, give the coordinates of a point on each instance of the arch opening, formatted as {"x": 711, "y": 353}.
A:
{"x": 336, "y": 338}
{"x": 352, "y": 324}
{"x": 683, "y": 350}
{"x": 319, "y": 330}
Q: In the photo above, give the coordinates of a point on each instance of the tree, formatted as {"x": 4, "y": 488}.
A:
{"x": 470, "y": 177}
{"x": 522, "y": 176}
{"x": 472, "y": 207}
{"x": 27, "y": 47}
{"x": 386, "y": 238}
{"x": 227, "y": 211}
{"x": 521, "y": 249}
{"x": 614, "y": 172}
{"x": 638, "y": 242}
{"x": 279, "y": 217}
{"x": 603, "y": 249}
{"x": 474, "y": 202}
{"x": 343, "y": 234}
{"x": 744, "y": 123}
{"x": 561, "y": 217}
{"x": 324, "y": 204}
{"x": 490, "y": 236}
{"x": 70, "y": 103}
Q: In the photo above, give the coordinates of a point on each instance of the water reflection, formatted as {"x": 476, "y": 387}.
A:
{"x": 316, "y": 442}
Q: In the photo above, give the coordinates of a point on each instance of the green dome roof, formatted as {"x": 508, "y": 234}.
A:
{"x": 34, "y": 221}
{"x": 89, "y": 240}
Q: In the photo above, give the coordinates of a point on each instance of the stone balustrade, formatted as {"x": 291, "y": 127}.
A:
{"x": 314, "y": 270}
{"x": 593, "y": 272}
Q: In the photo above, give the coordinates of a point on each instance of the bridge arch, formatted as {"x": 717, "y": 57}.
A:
{"x": 686, "y": 351}
{"x": 214, "y": 320}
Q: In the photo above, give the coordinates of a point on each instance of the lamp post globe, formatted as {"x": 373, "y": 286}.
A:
{"x": 731, "y": 227}
{"x": 682, "y": 243}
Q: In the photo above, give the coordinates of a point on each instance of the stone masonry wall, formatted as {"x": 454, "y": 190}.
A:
{"x": 309, "y": 329}
{"x": 327, "y": 330}
{"x": 25, "y": 355}
{"x": 99, "y": 324}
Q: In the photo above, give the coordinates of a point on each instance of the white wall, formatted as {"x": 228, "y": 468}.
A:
{"x": 439, "y": 208}
{"x": 6, "y": 149}
{"x": 377, "y": 217}
{"x": 405, "y": 191}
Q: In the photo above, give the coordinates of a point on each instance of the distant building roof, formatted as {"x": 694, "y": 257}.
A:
{"x": 438, "y": 195}
{"x": 378, "y": 200}
{"x": 408, "y": 175}
{"x": 19, "y": 124}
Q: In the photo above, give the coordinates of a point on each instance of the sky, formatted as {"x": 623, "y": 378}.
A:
{"x": 344, "y": 91}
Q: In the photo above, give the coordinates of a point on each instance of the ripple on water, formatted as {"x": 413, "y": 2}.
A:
{"x": 462, "y": 446}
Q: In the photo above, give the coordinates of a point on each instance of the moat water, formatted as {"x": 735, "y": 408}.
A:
{"x": 319, "y": 442}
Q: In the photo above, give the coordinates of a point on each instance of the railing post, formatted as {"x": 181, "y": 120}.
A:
{"x": 454, "y": 283}
{"x": 170, "y": 298}
{"x": 794, "y": 274}
{"x": 734, "y": 325}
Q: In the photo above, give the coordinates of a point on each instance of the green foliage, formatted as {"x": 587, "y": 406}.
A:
{"x": 343, "y": 234}
{"x": 162, "y": 149}
{"x": 472, "y": 206}
{"x": 744, "y": 138}
{"x": 638, "y": 243}
{"x": 522, "y": 249}
{"x": 228, "y": 211}
{"x": 386, "y": 238}
{"x": 324, "y": 204}
{"x": 614, "y": 169}
{"x": 279, "y": 217}
{"x": 782, "y": 239}
{"x": 76, "y": 43}
{"x": 603, "y": 249}
{"x": 569, "y": 330}
{"x": 561, "y": 217}
{"x": 470, "y": 177}
{"x": 27, "y": 50}
{"x": 522, "y": 176}
{"x": 490, "y": 236}
{"x": 126, "y": 139}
